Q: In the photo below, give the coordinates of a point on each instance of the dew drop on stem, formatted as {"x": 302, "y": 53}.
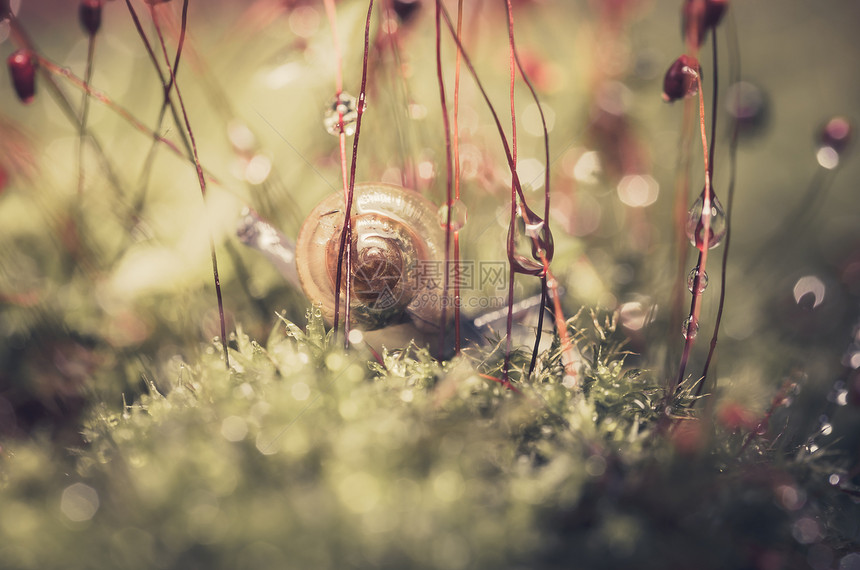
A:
{"x": 531, "y": 235}
{"x": 459, "y": 215}
{"x": 691, "y": 280}
{"x": 690, "y": 328}
{"x": 696, "y": 222}
{"x": 538, "y": 232}
{"x": 342, "y": 105}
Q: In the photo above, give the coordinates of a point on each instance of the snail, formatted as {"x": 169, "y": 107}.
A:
{"x": 397, "y": 256}
{"x": 397, "y": 263}
{"x": 397, "y": 249}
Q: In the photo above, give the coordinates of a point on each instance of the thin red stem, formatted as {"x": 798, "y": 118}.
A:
{"x": 201, "y": 178}
{"x": 735, "y": 64}
{"x": 449, "y": 189}
{"x": 559, "y": 316}
{"x": 503, "y": 381}
{"x": 331, "y": 13}
{"x": 168, "y": 102}
{"x": 568, "y": 356}
{"x": 52, "y": 67}
{"x": 85, "y": 109}
{"x": 344, "y": 253}
{"x": 346, "y": 233}
{"x": 456, "y": 154}
{"x": 696, "y": 303}
{"x": 513, "y": 219}
{"x": 22, "y": 39}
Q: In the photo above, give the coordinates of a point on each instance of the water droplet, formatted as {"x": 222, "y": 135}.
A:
{"x": 345, "y": 106}
{"x": 459, "y": 215}
{"x": 833, "y": 479}
{"x": 535, "y": 234}
{"x": 534, "y": 228}
{"x": 696, "y": 222}
{"x": 691, "y": 280}
{"x": 539, "y": 234}
{"x": 524, "y": 265}
{"x": 690, "y": 328}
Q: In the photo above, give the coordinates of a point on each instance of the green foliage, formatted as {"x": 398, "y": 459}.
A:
{"x": 306, "y": 456}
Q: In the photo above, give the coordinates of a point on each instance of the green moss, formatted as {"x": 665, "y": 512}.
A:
{"x": 304, "y": 456}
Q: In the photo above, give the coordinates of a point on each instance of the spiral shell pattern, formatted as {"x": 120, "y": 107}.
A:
{"x": 397, "y": 257}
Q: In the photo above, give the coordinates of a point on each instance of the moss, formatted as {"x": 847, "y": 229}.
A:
{"x": 305, "y": 456}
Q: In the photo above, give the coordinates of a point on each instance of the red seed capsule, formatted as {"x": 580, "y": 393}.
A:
{"x": 405, "y": 9}
{"x": 90, "y": 16}
{"x": 22, "y": 67}
{"x": 699, "y": 16}
{"x": 714, "y": 12}
{"x": 682, "y": 79}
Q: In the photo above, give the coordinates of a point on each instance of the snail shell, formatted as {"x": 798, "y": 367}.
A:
{"x": 397, "y": 257}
